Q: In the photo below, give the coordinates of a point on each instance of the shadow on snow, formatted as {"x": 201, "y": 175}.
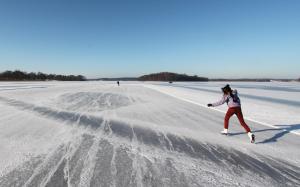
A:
{"x": 283, "y": 130}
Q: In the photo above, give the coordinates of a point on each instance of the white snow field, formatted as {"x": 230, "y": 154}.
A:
{"x": 146, "y": 134}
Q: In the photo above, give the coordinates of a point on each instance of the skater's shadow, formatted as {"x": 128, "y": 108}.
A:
{"x": 282, "y": 130}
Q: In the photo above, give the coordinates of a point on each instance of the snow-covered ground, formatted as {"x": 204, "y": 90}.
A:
{"x": 146, "y": 134}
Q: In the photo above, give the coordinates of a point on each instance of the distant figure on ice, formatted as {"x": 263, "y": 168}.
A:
{"x": 118, "y": 82}
{"x": 234, "y": 107}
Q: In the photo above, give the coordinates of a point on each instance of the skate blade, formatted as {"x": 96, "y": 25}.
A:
{"x": 226, "y": 134}
{"x": 253, "y": 139}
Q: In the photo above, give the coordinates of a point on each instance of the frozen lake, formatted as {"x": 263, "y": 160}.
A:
{"x": 146, "y": 134}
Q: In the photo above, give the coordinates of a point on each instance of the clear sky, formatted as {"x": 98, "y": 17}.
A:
{"x": 113, "y": 38}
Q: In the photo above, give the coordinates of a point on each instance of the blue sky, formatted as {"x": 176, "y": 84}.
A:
{"x": 113, "y": 38}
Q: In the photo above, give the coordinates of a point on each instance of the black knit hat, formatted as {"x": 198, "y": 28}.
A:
{"x": 226, "y": 88}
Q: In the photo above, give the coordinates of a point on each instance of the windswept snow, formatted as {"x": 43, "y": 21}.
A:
{"x": 146, "y": 134}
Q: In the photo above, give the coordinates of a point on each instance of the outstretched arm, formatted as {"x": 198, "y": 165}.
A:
{"x": 220, "y": 102}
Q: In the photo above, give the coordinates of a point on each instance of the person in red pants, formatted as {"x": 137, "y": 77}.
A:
{"x": 234, "y": 107}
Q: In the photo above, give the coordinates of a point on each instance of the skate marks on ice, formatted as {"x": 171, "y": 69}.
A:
{"x": 116, "y": 153}
{"x": 94, "y": 162}
{"x": 92, "y": 101}
{"x": 102, "y": 161}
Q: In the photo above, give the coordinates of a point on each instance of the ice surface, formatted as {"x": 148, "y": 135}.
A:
{"x": 146, "y": 134}
{"x": 279, "y": 106}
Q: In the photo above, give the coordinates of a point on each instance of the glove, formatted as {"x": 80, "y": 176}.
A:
{"x": 209, "y": 105}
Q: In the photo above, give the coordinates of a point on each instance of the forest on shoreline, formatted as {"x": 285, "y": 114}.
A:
{"x": 18, "y": 75}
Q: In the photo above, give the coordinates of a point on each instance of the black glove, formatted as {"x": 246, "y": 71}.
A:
{"x": 209, "y": 105}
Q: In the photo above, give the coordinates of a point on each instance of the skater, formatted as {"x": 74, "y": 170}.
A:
{"x": 118, "y": 82}
{"x": 234, "y": 107}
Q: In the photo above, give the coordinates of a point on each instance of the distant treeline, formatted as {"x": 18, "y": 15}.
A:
{"x": 172, "y": 77}
{"x": 116, "y": 79}
{"x": 167, "y": 76}
{"x": 24, "y": 76}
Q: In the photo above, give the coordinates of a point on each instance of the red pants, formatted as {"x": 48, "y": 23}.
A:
{"x": 238, "y": 112}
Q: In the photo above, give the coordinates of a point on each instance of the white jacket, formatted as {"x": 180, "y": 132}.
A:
{"x": 231, "y": 101}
